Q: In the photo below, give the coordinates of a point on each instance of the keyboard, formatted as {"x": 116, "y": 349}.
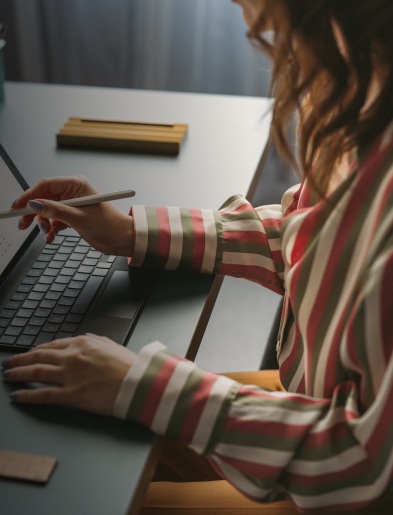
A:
{"x": 51, "y": 298}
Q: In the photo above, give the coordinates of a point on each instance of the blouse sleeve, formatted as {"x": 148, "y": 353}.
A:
{"x": 236, "y": 240}
{"x": 332, "y": 454}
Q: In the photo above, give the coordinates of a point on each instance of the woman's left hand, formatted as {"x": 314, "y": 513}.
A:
{"x": 88, "y": 370}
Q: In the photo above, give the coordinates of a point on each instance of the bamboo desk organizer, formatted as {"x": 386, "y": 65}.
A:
{"x": 152, "y": 138}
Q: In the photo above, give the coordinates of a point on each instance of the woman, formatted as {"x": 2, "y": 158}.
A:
{"x": 326, "y": 442}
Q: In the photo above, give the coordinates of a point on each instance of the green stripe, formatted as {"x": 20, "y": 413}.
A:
{"x": 248, "y": 247}
{"x": 324, "y": 452}
{"x": 260, "y": 441}
{"x": 280, "y": 402}
{"x": 229, "y": 201}
{"x": 188, "y": 239}
{"x": 273, "y": 233}
{"x": 153, "y": 237}
{"x": 220, "y": 242}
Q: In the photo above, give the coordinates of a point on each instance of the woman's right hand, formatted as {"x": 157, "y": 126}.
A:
{"x": 102, "y": 225}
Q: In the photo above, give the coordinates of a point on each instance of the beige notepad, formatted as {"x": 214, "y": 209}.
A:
{"x": 153, "y": 138}
{"x": 29, "y": 467}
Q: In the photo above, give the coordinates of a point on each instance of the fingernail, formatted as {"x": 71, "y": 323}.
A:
{"x": 6, "y": 373}
{"x": 14, "y": 395}
{"x": 6, "y": 363}
{"x": 19, "y": 222}
{"x": 30, "y": 350}
{"x": 36, "y": 206}
{"x": 43, "y": 227}
{"x": 14, "y": 202}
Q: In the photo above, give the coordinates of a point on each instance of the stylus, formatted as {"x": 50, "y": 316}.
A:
{"x": 75, "y": 202}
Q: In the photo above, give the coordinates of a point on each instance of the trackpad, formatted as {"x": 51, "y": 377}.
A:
{"x": 121, "y": 297}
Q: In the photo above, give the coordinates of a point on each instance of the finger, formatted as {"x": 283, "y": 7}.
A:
{"x": 55, "y": 211}
{"x": 25, "y": 221}
{"x": 38, "y": 373}
{"x": 55, "y": 344}
{"x": 48, "y": 356}
{"x": 44, "y": 224}
{"x": 47, "y": 395}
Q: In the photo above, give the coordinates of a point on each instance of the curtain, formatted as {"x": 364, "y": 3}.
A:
{"x": 175, "y": 45}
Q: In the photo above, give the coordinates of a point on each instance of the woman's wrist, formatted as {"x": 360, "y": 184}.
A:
{"x": 125, "y": 246}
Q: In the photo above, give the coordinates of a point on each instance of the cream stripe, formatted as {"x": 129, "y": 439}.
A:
{"x": 209, "y": 224}
{"x": 176, "y": 248}
{"x": 171, "y": 395}
{"x": 374, "y": 338}
{"x": 237, "y": 478}
{"x": 287, "y": 346}
{"x": 243, "y": 225}
{"x": 357, "y": 261}
{"x": 210, "y": 412}
{"x": 274, "y": 414}
{"x": 234, "y": 205}
{"x": 336, "y": 463}
{"x": 387, "y": 136}
{"x": 141, "y": 235}
{"x": 275, "y": 244}
{"x": 287, "y": 198}
{"x": 244, "y": 259}
{"x": 268, "y": 214}
{"x": 260, "y": 455}
{"x": 294, "y": 384}
{"x": 132, "y": 378}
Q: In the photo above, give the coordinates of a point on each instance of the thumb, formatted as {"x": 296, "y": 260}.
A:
{"x": 54, "y": 211}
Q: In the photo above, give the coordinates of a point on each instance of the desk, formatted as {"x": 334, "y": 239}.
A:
{"x": 105, "y": 464}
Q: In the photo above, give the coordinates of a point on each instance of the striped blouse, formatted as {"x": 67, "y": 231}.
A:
{"x": 326, "y": 443}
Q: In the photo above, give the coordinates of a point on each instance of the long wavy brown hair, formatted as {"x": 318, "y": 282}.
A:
{"x": 327, "y": 55}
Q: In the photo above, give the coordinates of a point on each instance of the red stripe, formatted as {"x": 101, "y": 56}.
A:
{"x": 385, "y": 308}
{"x": 246, "y": 236}
{"x": 199, "y": 240}
{"x": 382, "y": 427}
{"x": 196, "y": 407}
{"x": 283, "y": 396}
{"x": 250, "y": 468}
{"x": 157, "y": 390}
{"x": 288, "y": 363}
{"x": 164, "y": 237}
{"x": 328, "y": 436}
{"x": 245, "y": 207}
{"x": 271, "y": 223}
{"x": 261, "y": 427}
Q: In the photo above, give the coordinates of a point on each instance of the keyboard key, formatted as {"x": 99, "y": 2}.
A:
{"x": 61, "y": 257}
{"x": 7, "y": 339}
{"x": 39, "y": 264}
{"x": 58, "y": 287}
{"x": 4, "y": 322}
{"x": 72, "y": 264}
{"x": 78, "y": 285}
{"x": 25, "y": 313}
{"x": 74, "y": 319}
{"x": 34, "y": 272}
{"x": 77, "y": 257}
{"x": 111, "y": 259}
{"x": 30, "y": 304}
{"x": 56, "y": 319}
{"x": 25, "y": 340}
{"x": 37, "y": 321}
{"x": 81, "y": 277}
{"x": 7, "y": 313}
{"x": 69, "y": 328}
{"x": 100, "y": 271}
{"x": 71, "y": 293}
{"x": 65, "y": 250}
{"x": 35, "y": 295}
{"x": 51, "y": 328}
{"x": 42, "y": 312}
{"x": 58, "y": 240}
{"x": 86, "y": 296}
{"x": 13, "y": 331}
{"x": 32, "y": 330}
{"x": 52, "y": 272}
{"x": 56, "y": 264}
{"x": 41, "y": 287}
{"x": 83, "y": 243}
{"x": 86, "y": 269}
{"x": 80, "y": 249}
{"x": 66, "y": 301}
{"x": 61, "y": 310}
{"x": 19, "y": 296}
{"x": 24, "y": 288}
{"x": 53, "y": 295}
{"x": 44, "y": 338}
{"x": 48, "y": 251}
{"x": 67, "y": 271}
{"x": 44, "y": 257}
{"x": 104, "y": 265}
{"x": 74, "y": 239}
{"x": 51, "y": 246}
{"x": 46, "y": 279}
{"x": 13, "y": 305}
{"x": 94, "y": 254}
{"x": 63, "y": 279}
{"x": 69, "y": 244}
{"x": 90, "y": 262}
{"x": 29, "y": 280}
{"x": 19, "y": 322}
{"x": 49, "y": 304}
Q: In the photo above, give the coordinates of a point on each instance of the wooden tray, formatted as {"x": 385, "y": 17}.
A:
{"x": 151, "y": 138}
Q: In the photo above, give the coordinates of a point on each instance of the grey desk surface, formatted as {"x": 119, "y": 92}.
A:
{"x": 101, "y": 460}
